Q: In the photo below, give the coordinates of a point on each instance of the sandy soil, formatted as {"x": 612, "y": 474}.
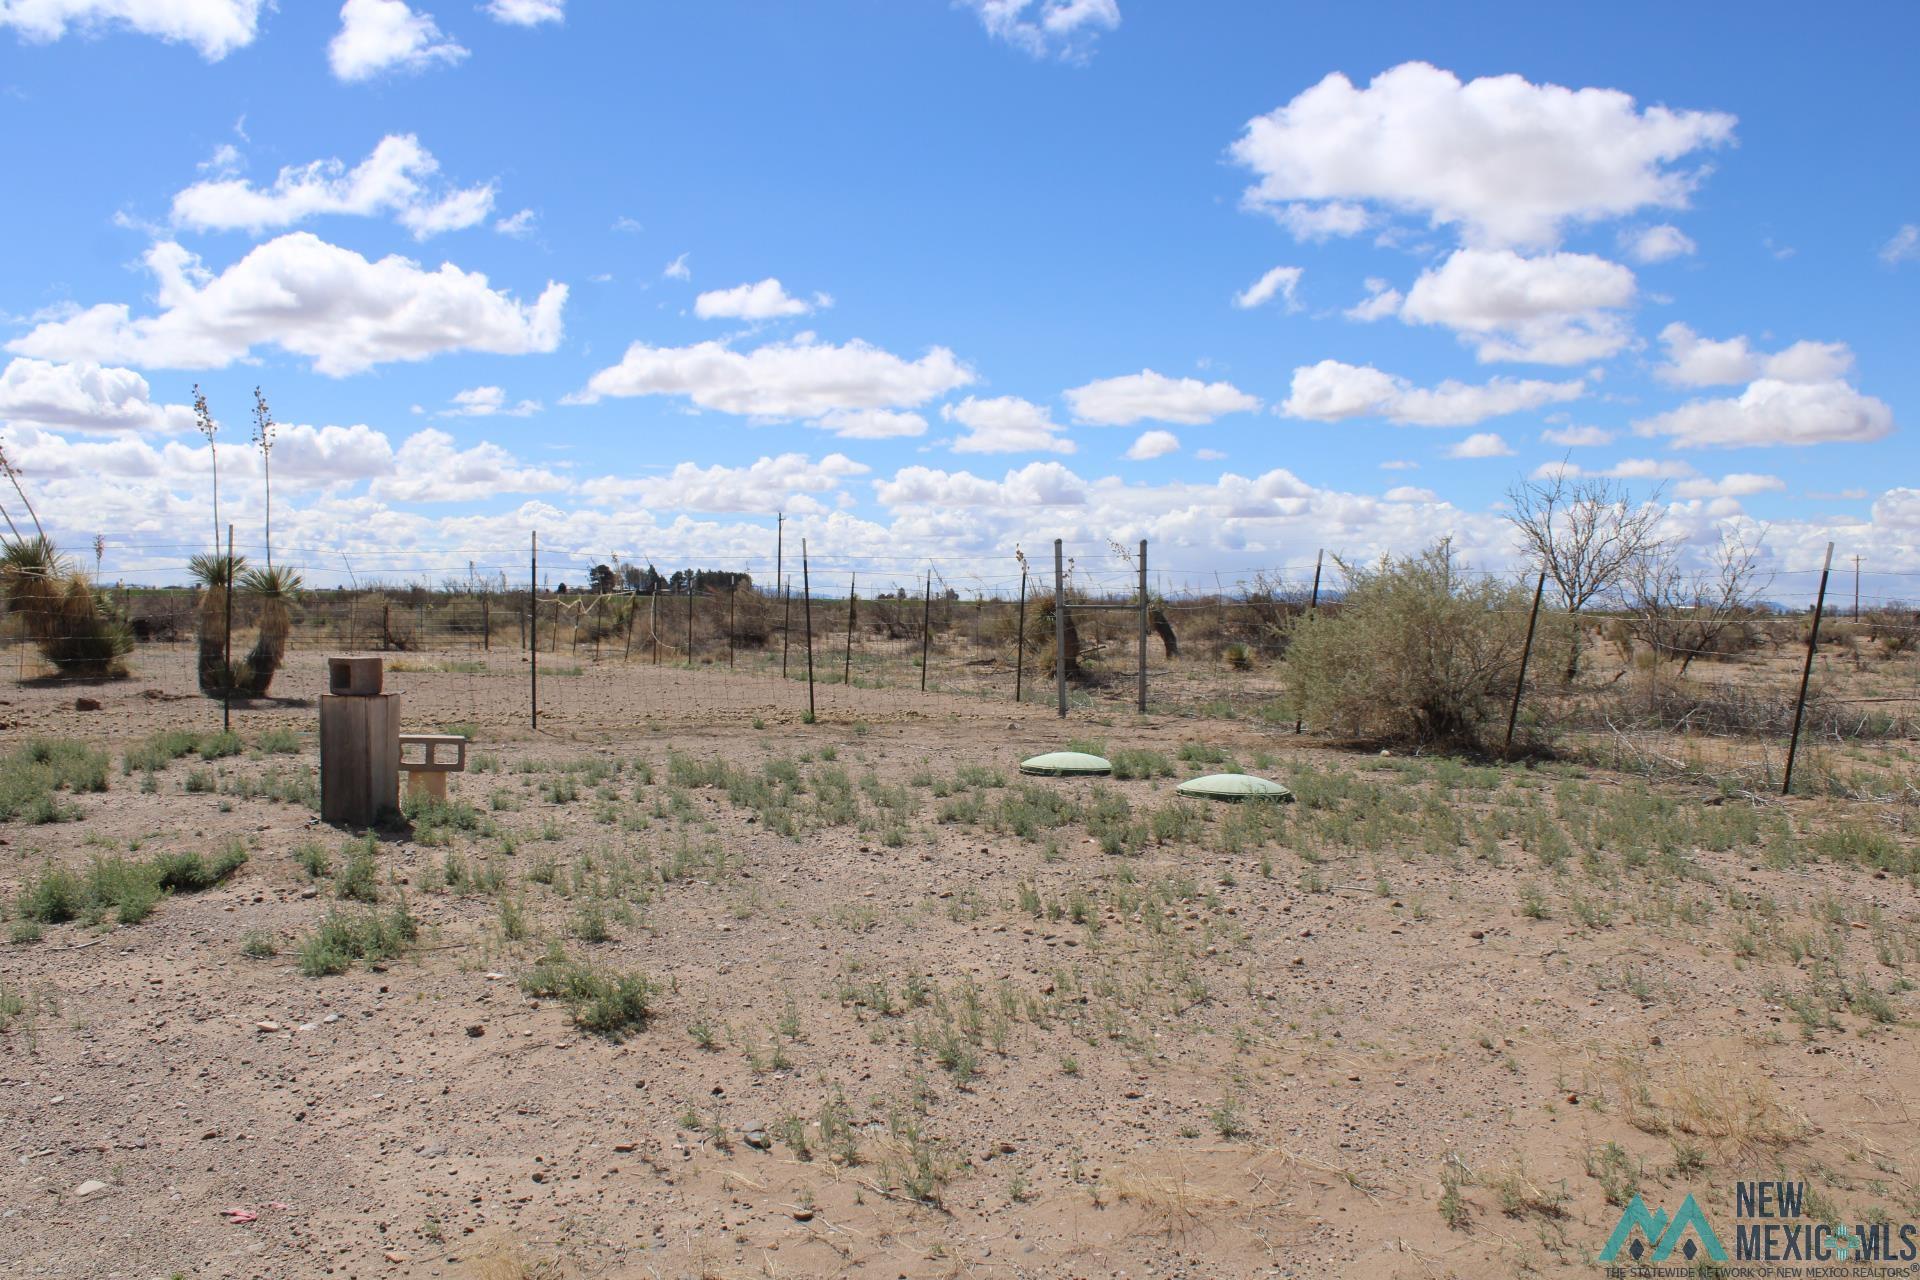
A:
{"x": 1206, "y": 1057}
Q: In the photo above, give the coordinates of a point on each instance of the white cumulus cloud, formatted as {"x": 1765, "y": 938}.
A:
{"x": 786, "y": 482}
{"x": 1333, "y": 391}
{"x": 1005, "y": 424}
{"x": 1507, "y": 162}
{"x": 1656, "y": 244}
{"x": 1577, "y": 437}
{"x": 430, "y": 467}
{"x": 1481, "y": 444}
{"x": 1280, "y": 281}
{"x": 1153, "y": 444}
{"x": 803, "y": 378}
{"x": 1904, "y": 246}
{"x": 871, "y": 424}
{"x": 1773, "y": 412}
{"x": 306, "y": 296}
{"x": 1693, "y": 361}
{"x": 392, "y": 180}
{"x": 1382, "y": 300}
{"x": 1038, "y": 484}
{"x": 1153, "y": 397}
{"x": 527, "y": 13}
{"x": 765, "y": 300}
{"x": 1558, "y": 308}
{"x": 214, "y": 27}
{"x": 487, "y": 402}
{"x": 84, "y": 396}
{"x": 1042, "y": 27}
{"x": 382, "y": 35}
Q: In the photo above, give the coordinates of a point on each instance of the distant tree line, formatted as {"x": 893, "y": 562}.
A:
{"x": 604, "y": 579}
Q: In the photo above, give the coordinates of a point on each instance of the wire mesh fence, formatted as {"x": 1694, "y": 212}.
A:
{"x": 837, "y": 640}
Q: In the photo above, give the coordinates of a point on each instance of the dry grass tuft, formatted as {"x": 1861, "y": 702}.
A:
{"x": 505, "y": 1258}
{"x": 1173, "y": 1202}
{"x": 1731, "y": 1105}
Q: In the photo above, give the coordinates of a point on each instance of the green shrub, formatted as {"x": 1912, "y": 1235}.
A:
{"x": 160, "y": 750}
{"x": 606, "y": 1003}
{"x": 358, "y": 877}
{"x": 343, "y": 937}
{"x": 31, "y": 775}
{"x": 280, "y": 741}
{"x": 1421, "y": 651}
{"x": 216, "y": 746}
{"x": 128, "y": 889}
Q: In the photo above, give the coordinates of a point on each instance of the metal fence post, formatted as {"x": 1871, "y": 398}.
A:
{"x": 806, "y": 607}
{"x": 1020, "y": 638}
{"x": 226, "y": 683}
{"x": 1312, "y": 604}
{"x": 1806, "y": 673}
{"x": 853, "y": 593}
{"x": 533, "y": 650}
{"x": 1060, "y": 628}
{"x": 926, "y": 628}
{"x": 1143, "y": 626}
{"x": 1526, "y": 652}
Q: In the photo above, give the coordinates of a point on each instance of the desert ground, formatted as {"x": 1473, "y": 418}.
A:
{"x": 730, "y": 993}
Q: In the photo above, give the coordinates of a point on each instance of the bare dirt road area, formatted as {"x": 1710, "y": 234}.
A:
{"x": 758, "y": 997}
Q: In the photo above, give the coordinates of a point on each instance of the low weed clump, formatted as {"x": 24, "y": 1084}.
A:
{"x": 358, "y": 877}
{"x": 126, "y": 889}
{"x": 278, "y": 741}
{"x": 32, "y": 775}
{"x": 160, "y": 750}
{"x": 603, "y": 1002}
{"x": 343, "y": 937}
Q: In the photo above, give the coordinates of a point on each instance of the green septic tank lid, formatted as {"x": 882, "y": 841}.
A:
{"x": 1066, "y": 764}
{"x": 1234, "y": 786}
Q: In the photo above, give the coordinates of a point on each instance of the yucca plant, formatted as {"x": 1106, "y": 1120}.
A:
{"x": 275, "y": 593}
{"x": 57, "y": 608}
{"x": 213, "y": 573}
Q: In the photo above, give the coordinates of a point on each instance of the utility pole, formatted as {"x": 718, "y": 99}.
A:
{"x": 1856, "y": 588}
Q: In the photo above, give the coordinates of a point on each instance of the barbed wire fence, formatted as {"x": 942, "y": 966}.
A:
{"x": 577, "y": 646}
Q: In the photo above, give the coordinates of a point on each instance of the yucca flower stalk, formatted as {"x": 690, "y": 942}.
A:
{"x": 13, "y": 474}
{"x": 263, "y": 428}
{"x": 203, "y": 420}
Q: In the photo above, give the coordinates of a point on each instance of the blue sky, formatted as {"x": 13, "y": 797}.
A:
{"x": 1100, "y": 269}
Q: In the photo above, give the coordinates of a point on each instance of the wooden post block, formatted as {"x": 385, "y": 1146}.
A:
{"x": 355, "y": 677}
{"x": 359, "y": 758}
